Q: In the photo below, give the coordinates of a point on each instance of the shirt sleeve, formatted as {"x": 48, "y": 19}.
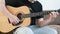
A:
{"x": 14, "y": 3}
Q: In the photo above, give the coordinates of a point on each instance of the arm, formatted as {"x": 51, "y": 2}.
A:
{"x": 41, "y": 22}
{"x": 4, "y": 10}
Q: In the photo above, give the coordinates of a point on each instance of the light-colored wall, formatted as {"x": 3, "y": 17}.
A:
{"x": 50, "y": 4}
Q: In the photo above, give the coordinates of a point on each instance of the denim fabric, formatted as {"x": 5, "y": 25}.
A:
{"x": 35, "y": 30}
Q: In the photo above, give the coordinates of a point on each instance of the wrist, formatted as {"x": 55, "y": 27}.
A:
{"x": 10, "y": 15}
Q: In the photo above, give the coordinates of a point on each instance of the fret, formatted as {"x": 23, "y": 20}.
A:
{"x": 39, "y": 13}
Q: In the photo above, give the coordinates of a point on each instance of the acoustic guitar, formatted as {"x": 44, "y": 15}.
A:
{"x": 23, "y": 13}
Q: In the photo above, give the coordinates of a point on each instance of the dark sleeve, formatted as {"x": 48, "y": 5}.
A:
{"x": 14, "y": 3}
{"x": 39, "y": 5}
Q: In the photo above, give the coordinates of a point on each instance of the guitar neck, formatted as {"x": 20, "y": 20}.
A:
{"x": 38, "y": 13}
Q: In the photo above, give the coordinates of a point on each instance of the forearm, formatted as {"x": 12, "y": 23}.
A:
{"x": 3, "y": 8}
{"x": 6, "y": 12}
{"x": 44, "y": 22}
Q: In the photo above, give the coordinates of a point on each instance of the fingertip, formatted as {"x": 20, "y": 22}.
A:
{"x": 50, "y": 14}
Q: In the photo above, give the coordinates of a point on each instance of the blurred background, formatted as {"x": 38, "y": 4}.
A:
{"x": 50, "y": 4}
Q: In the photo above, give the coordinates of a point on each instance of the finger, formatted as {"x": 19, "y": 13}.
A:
{"x": 18, "y": 19}
{"x": 57, "y": 13}
{"x": 53, "y": 13}
{"x": 50, "y": 14}
{"x": 13, "y": 22}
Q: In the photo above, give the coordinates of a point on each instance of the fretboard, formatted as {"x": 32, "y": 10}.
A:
{"x": 37, "y": 14}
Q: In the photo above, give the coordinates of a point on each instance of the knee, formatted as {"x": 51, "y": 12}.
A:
{"x": 23, "y": 30}
{"x": 52, "y": 31}
{"x": 49, "y": 30}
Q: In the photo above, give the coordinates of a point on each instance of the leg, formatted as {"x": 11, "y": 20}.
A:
{"x": 43, "y": 30}
{"x": 57, "y": 27}
{"x": 23, "y": 30}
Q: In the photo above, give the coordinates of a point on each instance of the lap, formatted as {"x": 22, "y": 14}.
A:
{"x": 35, "y": 30}
{"x": 23, "y": 30}
{"x": 43, "y": 30}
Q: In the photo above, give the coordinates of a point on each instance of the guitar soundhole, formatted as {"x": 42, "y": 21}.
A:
{"x": 21, "y": 19}
{"x": 19, "y": 16}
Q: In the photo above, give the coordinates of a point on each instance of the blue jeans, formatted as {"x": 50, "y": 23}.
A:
{"x": 35, "y": 30}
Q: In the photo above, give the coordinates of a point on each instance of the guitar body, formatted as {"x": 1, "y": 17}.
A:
{"x": 5, "y": 26}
